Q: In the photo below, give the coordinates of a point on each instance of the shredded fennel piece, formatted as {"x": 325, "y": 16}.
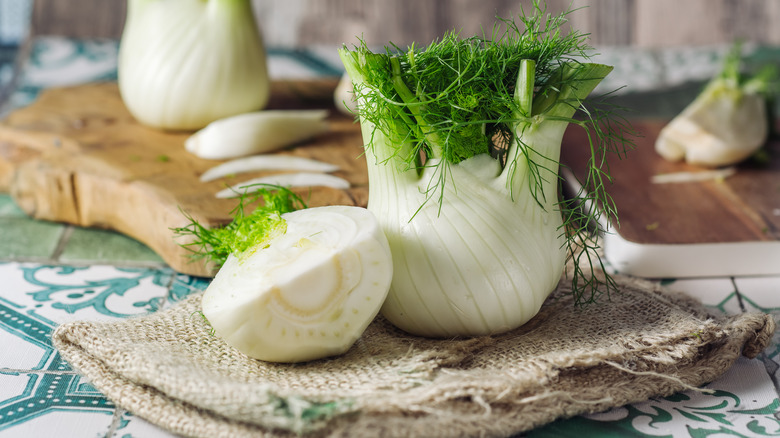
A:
{"x": 508, "y": 95}
{"x": 296, "y": 179}
{"x": 256, "y": 132}
{"x": 246, "y": 229}
{"x": 266, "y": 162}
{"x": 685, "y": 177}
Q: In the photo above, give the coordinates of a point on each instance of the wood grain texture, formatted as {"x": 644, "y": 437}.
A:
{"x": 661, "y": 23}
{"x": 78, "y": 18}
{"x": 300, "y": 23}
{"x": 77, "y": 156}
{"x": 741, "y": 208}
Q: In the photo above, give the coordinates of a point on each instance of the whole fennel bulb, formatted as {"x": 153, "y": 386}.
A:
{"x": 186, "y": 63}
{"x": 462, "y": 142}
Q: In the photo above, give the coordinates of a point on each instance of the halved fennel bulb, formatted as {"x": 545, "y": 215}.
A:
{"x": 308, "y": 293}
{"x": 186, "y": 63}
{"x": 722, "y": 126}
{"x": 726, "y": 123}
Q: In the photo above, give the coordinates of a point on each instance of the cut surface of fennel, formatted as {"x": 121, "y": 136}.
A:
{"x": 306, "y": 294}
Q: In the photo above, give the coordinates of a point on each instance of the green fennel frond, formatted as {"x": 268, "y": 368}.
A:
{"x": 247, "y": 229}
{"x": 764, "y": 81}
{"x": 591, "y": 208}
{"x": 199, "y": 313}
{"x": 454, "y": 99}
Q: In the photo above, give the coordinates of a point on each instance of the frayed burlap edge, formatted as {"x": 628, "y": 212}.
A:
{"x": 483, "y": 403}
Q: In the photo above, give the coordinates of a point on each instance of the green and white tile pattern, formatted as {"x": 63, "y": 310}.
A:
{"x": 39, "y": 394}
{"x": 53, "y": 273}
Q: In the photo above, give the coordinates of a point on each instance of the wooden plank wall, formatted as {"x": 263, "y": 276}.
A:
{"x": 78, "y": 18}
{"x": 297, "y": 23}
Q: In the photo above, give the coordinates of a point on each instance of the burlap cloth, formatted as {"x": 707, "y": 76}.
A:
{"x": 169, "y": 369}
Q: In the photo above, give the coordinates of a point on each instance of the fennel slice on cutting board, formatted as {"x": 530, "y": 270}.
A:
{"x": 707, "y": 227}
{"x": 77, "y": 156}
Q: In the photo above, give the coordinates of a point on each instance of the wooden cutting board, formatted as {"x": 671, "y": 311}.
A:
{"x": 77, "y": 156}
{"x": 716, "y": 227}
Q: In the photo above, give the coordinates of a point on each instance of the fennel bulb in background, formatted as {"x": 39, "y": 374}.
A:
{"x": 727, "y": 123}
{"x": 186, "y": 63}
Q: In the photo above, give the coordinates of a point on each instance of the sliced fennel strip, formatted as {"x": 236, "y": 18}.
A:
{"x": 255, "y": 133}
{"x": 266, "y": 162}
{"x": 685, "y": 177}
{"x": 298, "y": 179}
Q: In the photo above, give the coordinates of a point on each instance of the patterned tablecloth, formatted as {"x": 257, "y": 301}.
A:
{"x": 53, "y": 273}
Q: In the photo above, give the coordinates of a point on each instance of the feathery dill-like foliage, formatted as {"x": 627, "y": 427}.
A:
{"x": 454, "y": 99}
{"x": 247, "y": 229}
